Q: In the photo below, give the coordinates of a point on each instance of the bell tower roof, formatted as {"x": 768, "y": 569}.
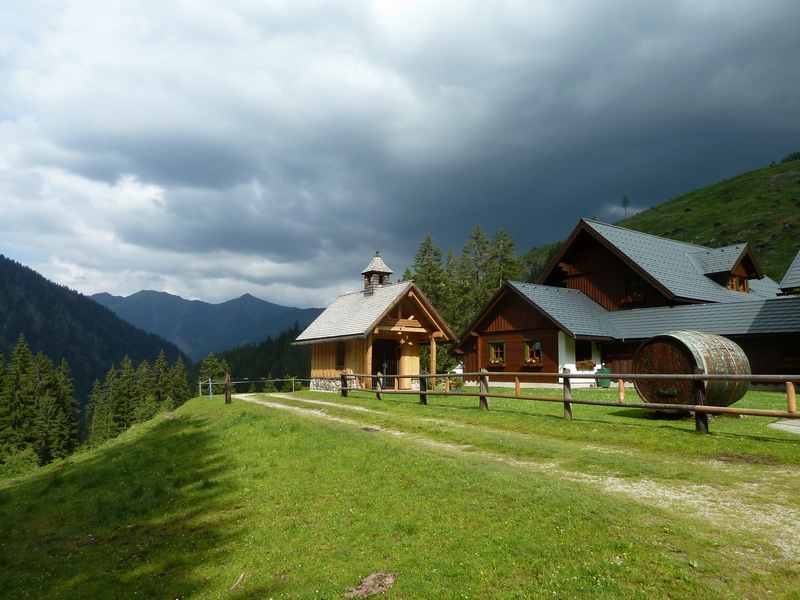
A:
{"x": 376, "y": 265}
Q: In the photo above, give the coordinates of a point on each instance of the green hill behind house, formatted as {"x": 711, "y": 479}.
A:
{"x": 761, "y": 207}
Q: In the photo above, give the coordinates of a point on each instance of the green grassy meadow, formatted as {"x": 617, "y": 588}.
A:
{"x": 303, "y": 500}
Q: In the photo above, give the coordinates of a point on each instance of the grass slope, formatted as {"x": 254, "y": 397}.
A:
{"x": 181, "y": 507}
{"x": 761, "y": 207}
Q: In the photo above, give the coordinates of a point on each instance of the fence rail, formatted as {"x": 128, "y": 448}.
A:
{"x": 700, "y": 409}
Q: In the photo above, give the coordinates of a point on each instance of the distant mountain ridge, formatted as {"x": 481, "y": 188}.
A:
{"x": 62, "y": 323}
{"x": 199, "y": 328}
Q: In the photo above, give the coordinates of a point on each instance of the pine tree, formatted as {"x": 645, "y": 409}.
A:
{"x": 179, "y": 384}
{"x": 124, "y": 400}
{"x": 161, "y": 378}
{"x": 69, "y": 405}
{"x": 428, "y": 272}
{"x": 101, "y": 427}
{"x": 146, "y": 405}
{"x": 503, "y": 263}
{"x": 18, "y": 401}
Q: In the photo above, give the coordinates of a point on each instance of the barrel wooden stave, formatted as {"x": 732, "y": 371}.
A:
{"x": 691, "y": 352}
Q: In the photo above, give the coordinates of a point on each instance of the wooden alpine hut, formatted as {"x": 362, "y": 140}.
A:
{"x": 377, "y": 329}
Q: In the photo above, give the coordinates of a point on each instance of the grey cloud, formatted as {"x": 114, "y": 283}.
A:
{"x": 309, "y": 135}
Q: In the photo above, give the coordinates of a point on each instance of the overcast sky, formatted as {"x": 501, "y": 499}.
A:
{"x": 215, "y": 148}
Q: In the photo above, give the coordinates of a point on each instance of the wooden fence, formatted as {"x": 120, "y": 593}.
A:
{"x": 427, "y": 383}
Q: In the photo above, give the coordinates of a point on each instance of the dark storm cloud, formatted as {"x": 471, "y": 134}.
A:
{"x": 222, "y": 148}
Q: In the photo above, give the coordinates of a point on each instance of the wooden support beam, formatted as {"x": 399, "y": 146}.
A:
{"x": 433, "y": 360}
{"x": 620, "y": 391}
{"x": 700, "y": 418}
{"x": 368, "y": 361}
{"x": 567, "y": 395}
{"x": 484, "y": 387}
{"x": 227, "y": 388}
{"x": 791, "y": 398}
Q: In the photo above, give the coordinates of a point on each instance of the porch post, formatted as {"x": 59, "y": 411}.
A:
{"x": 433, "y": 361}
{"x": 368, "y": 361}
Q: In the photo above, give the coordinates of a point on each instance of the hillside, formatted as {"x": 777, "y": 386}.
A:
{"x": 761, "y": 207}
{"x": 199, "y": 328}
{"x": 62, "y": 323}
{"x": 287, "y": 501}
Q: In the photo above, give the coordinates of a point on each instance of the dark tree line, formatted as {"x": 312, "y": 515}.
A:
{"x": 38, "y": 409}
{"x": 65, "y": 324}
{"x": 131, "y": 395}
{"x": 275, "y": 357}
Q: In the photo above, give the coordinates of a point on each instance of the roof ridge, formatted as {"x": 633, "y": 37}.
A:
{"x": 653, "y": 235}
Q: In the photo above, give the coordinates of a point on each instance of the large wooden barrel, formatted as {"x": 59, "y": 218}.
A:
{"x": 686, "y": 352}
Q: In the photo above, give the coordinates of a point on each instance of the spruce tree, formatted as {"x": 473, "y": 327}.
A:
{"x": 503, "y": 263}
{"x": 179, "y": 384}
{"x": 428, "y": 272}
{"x": 124, "y": 402}
{"x": 101, "y": 426}
{"x": 161, "y": 378}
{"x": 18, "y": 400}
{"x": 69, "y": 405}
{"x": 146, "y": 405}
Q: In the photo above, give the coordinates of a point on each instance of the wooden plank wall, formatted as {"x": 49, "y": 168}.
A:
{"x": 603, "y": 277}
{"x": 513, "y": 321}
{"x": 323, "y": 358}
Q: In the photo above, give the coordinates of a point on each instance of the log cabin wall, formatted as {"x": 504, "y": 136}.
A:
{"x": 593, "y": 269}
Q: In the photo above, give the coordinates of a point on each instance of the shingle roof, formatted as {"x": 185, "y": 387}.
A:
{"x": 355, "y": 313}
{"x": 792, "y": 277}
{"x": 675, "y": 265}
{"x": 572, "y": 309}
{"x": 719, "y": 260}
{"x": 776, "y": 315}
{"x": 581, "y": 316}
{"x": 376, "y": 265}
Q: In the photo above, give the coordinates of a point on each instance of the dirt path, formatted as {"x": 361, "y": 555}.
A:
{"x": 727, "y": 508}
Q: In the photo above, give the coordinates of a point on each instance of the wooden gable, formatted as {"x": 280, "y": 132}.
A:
{"x": 413, "y": 314}
{"x": 588, "y": 265}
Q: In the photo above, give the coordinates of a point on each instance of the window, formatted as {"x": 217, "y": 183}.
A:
{"x": 737, "y": 284}
{"x": 340, "y": 353}
{"x": 497, "y": 353}
{"x": 583, "y": 350}
{"x": 532, "y": 352}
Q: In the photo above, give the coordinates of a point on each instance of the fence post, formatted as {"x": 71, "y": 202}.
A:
{"x": 227, "y": 388}
{"x": 484, "y": 387}
{"x": 791, "y": 398}
{"x": 700, "y": 418}
{"x": 344, "y": 385}
{"x": 293, "y": 385}
{"x": 210, "y": 389}
{"x": 447, "y": 385}
{"x": 567, "y": 394}
{"x": 199, "y": 388}
{"x": 620, "y": 391}
{"x": 379, "y": 386}
{"x": 423, "y": 390}
{"x": 517, "y": 387}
